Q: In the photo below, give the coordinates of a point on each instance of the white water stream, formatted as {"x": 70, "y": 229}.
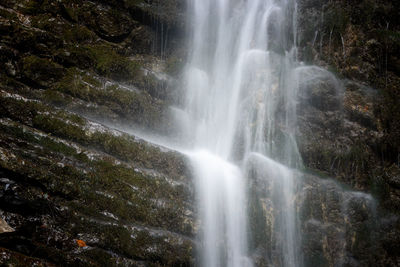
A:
{"x": 241, "y": 83}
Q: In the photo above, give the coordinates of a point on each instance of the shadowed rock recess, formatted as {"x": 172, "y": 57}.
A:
{"x": 80, "y": 81}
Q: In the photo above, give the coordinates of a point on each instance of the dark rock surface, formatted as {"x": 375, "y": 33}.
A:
{"x": 358, "y": 42}
{"x": 335, "y": 226}
{"x": 356, "y": 142}
{"x": 76, "y": 192}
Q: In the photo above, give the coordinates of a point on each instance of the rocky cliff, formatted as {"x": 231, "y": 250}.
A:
{"x": 359, "y": 42}
{"x": 75, "y": 190}
{"x": 81, "y": 80}
{"x": 352, "y": 133}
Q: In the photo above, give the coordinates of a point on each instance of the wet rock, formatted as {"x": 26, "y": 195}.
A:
{"x": 4, "y": 227}
{"x": 65, "y": 178}
{"x": 352, "y": 40}
{"x": 335, "y": 225}
{"x": 170, "y": 13}
{"x": 341, "y": 141}
{"x": 118, "y": 201}
{"x": 319, "y": 88}
{"x": 40, "y": 71}
{"x": 110, "y": 24}
{"x": 393, "y": 175}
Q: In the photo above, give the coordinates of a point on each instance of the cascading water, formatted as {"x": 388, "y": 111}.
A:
{"x": 241, "y": 95}
{"x": 244, "y": 87}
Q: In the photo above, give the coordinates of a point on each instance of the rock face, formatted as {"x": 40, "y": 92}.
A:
{"x": 76, "y": 190}
{"x": 353, "y": 135}
{"x": 338, "y": 227}
{"x": 357, "y": 41}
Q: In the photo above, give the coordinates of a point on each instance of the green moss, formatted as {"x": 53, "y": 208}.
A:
{"x": 41, "y": 71}
{"x": 57, "y": 147}
{"x": 174, "y": 66}
{"x": 134, "y": 201}
{"x": 73, "y": 84}
{"x": 72, "y": 127}
{"x": 41, "y": 166}
{"x": 111, "y": 64}
{"x": 59, "y": 127}
{"x": 88, "y": 78}
{"x": 32, "y": 61}
{"x": 136, "y": 244}
{"x": 130, "y": 204}
{"x": 127, "y": 148}
{"x": 138, "y": 106}
{"x": 19, "y": 110}
{"x": 71, "y": 118}
{"x": 35, "y": 63}
{"x": 119, "y": 146}
{"x": 79, "y": 34}
{"x": 101, "y": 257}
{"x": 55, "y": 97}
{"x": 102, "y": 58}
{"x": 115, "y": 238}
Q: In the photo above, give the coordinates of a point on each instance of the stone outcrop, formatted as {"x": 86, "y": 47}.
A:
{"x": 355, "y": 140}
{"x": 75, "y": 191}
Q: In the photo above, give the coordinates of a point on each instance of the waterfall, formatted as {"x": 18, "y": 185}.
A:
{"x": 240, "y": 111}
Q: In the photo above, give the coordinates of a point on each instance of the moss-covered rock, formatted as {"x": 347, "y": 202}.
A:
{"x": 359, "y": 40}
{"x": 39, "y": 71}
{"x": 110, "y": 24}
{"x": 168, "y": 12}
{"x": 132, "y": 106}
{"x": 111, "y": 64}
{"x": 112, "y": 206}
{"x": 76, "y": 192}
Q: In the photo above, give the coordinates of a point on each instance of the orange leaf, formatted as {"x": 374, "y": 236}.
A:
{"x": 81, "y": 243}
